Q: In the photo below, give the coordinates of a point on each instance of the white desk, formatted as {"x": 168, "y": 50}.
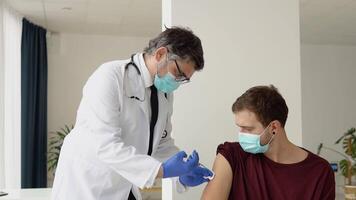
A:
{"x": 27, "y": 194}
{"x": 45, "y": 194}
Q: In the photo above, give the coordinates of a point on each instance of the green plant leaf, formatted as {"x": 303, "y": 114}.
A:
{"x": 52, "y": 160}
{"x": 52, "y": 149}
{"x": 67, "y": 129}
{"x": 55, "y": 153}
{"x": 346, "y": 134}
{"x": 55, "y": 143}
{"x": 61, "y": 135}
{"x": 343, "y": 167}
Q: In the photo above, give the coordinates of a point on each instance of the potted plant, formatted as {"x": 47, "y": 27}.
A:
{"x": 348, "y": 164}
{"x": 55, "y": 143}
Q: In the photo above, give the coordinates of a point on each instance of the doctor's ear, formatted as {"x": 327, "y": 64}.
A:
{"x": 160, "y": 54}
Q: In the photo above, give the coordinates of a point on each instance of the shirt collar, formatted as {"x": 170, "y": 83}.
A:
{"x": 147, "y": 78}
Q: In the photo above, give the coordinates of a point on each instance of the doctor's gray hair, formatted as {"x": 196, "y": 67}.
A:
{"x": 181, "y": 43}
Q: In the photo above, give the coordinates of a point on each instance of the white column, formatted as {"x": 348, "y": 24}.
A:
{"x": 246, "y": 43}
{"x": 166, "y": 13}
{"x": 167, "y": 184}
{"x": 2, "y": 170}
{"x": 12, "y": 97}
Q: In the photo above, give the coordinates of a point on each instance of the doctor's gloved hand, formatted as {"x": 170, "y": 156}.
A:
{"x": 177, "y": 165}
{"x": 196, "y": 177}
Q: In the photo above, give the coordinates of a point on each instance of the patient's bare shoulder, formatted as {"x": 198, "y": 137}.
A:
{"x": 233, "y": 153}
{"x": 219, "y": 187}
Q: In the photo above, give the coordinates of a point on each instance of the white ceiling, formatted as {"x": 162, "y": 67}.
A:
{"x": 112, "y": 17}
{"x": 328, "y": 21}
{"x": 322, "y": 21}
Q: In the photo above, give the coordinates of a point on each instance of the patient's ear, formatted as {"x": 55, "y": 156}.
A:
{"x": 275, "y": 127}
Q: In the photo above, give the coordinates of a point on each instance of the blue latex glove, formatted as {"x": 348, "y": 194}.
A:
{"x": 177, "y": 166}
{"x": 196, "y": 177}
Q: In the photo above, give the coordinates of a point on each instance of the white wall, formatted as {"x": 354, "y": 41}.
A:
{"x": 72, "y": 58}
{"x": 328, "y": 95}
{"x": 246, "y": 43}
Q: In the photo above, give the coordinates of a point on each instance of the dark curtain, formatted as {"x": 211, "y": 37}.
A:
{"x": 33, "y": 106}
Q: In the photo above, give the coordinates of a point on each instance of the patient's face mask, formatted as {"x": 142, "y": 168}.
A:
{"x": 251, "y": 143}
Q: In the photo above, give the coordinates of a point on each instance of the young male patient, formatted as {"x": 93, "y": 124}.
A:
{"x": 264, "y": 164}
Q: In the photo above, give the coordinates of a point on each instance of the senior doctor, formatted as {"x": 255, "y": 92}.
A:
{"x": 122, "y": 137}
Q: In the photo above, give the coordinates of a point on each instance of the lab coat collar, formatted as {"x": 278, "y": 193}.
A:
{"x": 147, "y": 78}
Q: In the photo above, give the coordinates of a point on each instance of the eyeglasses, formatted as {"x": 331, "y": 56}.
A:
{"x": 181, "y": 78}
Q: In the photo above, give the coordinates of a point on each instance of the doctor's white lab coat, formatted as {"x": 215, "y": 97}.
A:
{"x": 105, "y": 155}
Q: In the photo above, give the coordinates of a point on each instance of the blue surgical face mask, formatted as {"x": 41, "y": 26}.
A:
{"x": 166, "y": 83}
{"x": 251, "y": 143}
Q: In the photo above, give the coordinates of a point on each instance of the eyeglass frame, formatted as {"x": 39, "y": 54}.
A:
{"x": 183, "y": 78}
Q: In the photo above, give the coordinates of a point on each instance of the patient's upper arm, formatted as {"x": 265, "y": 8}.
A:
{"x": 219, "y": 187}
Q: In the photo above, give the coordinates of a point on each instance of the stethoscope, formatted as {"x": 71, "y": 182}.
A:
{"x": 132, "y": 63}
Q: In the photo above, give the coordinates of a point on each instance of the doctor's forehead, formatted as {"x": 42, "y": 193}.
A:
{"x": 246, "y": 118}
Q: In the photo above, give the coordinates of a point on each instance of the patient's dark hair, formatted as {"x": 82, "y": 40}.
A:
{"x": 266, "y": 102}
